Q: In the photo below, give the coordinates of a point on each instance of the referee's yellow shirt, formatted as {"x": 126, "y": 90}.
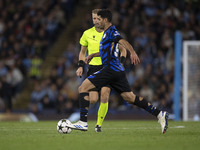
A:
{"x": 91, "y": 39}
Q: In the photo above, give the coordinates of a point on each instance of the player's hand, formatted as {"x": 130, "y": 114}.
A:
{"x": 88, "y": 59}
{"x": 134, "y": 58}
{"x": 79, "y": 71}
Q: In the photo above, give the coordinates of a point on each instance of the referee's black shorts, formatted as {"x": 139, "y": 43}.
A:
{"x": 107, "y": 76}
{"x": 93, "y": 68}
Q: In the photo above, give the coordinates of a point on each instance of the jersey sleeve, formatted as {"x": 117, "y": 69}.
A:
{"x": 115, "y": 36}
{"x": 83, "y": 40}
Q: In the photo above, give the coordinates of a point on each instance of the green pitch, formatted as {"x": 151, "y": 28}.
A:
{"x": 116, "y": 135}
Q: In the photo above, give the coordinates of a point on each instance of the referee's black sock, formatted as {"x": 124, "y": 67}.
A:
{"x": 84, "y": 105}
{"x": 142, "y": 103}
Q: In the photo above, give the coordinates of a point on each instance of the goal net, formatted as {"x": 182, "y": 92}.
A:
{"x": 191, "y": 80}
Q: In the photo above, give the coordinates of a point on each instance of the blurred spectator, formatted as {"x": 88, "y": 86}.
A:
{"x": 15, "y": 79}
{"x": 60, "y": 103}
{"x": 146, "y": 92}
{"x": 52, "y": 94}
{"x": 35, "y": 70}
{"x": 60, "y": 67}
{"x": 36, "y": 99}
{"x": 150, "y": 9}
{"x": 3, "y": 69}
{"x": 172, "y": 11}
{"x": 6, "y": 94}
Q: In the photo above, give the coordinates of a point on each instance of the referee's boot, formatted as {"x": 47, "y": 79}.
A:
{"x": 98, "y": 128}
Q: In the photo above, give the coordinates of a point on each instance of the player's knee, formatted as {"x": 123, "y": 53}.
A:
{"x": 104, "y": 98}
{"x": 105, "y": 95}
{"x": 93, "y": 100}
{"x": 94, "y": 96}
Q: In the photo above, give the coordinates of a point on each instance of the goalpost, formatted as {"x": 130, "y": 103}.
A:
{"x": 191, "y": 80}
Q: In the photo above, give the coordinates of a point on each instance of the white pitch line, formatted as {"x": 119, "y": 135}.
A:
{"x": 132, "y": 128}
{"x": 144, "y": 128}
{"x": 24, "y": 129}
{"x": 178, "y": 127}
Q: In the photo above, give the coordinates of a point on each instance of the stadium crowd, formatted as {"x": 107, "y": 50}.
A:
{"x": 27, "y": 30}
{"x": 149, "y": 25}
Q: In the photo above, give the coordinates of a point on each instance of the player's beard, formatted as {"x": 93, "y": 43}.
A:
{"x": 97, "y": 26}
{"x": 101, "y": 28}
{"x": 101, "y": 25}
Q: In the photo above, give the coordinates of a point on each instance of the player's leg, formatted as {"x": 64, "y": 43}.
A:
{"x": 93, "y": 94}
{"x": 140, "y": 102}
{"x": 143, "y": 103}
{"x": 84, "y": 103}
{"x": 97, "y": 80}
{"x": 103, "y": 108}
{"x": 93, "y": 97}
{"x": 122, "y": 86}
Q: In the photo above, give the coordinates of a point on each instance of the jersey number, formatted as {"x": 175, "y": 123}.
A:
{"x": 116, "y": 52}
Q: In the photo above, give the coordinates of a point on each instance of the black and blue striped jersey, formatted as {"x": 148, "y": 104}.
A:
{"x": 109, "y": 49}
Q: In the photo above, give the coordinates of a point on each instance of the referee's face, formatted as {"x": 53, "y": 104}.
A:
{"x": 94, "y": 19}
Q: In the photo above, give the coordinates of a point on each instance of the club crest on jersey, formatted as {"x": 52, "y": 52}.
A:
{"x": 116, "y": 33}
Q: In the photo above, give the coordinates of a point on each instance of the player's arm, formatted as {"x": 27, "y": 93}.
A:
{"x": 81, "y": 62}
{"x": 133, "y": 56}
{"x": 89, "y": 58}
{"x": 123, "y": 54}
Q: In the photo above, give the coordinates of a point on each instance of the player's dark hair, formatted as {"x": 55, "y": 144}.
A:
{"x": 105, "y": 13}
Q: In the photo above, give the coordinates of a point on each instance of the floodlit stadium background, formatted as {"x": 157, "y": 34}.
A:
{"x": 39, "y": 47}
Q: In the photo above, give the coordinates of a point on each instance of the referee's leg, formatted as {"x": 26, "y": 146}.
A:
{"x": 103, "y": 108}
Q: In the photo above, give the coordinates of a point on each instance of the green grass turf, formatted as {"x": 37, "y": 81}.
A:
{"x": 116, "y": 135}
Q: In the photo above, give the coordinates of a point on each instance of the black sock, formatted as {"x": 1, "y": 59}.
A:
{"x": 84, "y": 105}
{"x": 144, "y": 104}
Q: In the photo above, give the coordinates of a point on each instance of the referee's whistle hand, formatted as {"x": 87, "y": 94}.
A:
{"x": 79, "y": 71}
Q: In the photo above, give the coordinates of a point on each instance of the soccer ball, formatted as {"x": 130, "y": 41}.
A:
{"x": 62, "y": 126}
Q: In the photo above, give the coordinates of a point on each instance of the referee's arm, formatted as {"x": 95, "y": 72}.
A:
{"x": 82, "y": 53}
